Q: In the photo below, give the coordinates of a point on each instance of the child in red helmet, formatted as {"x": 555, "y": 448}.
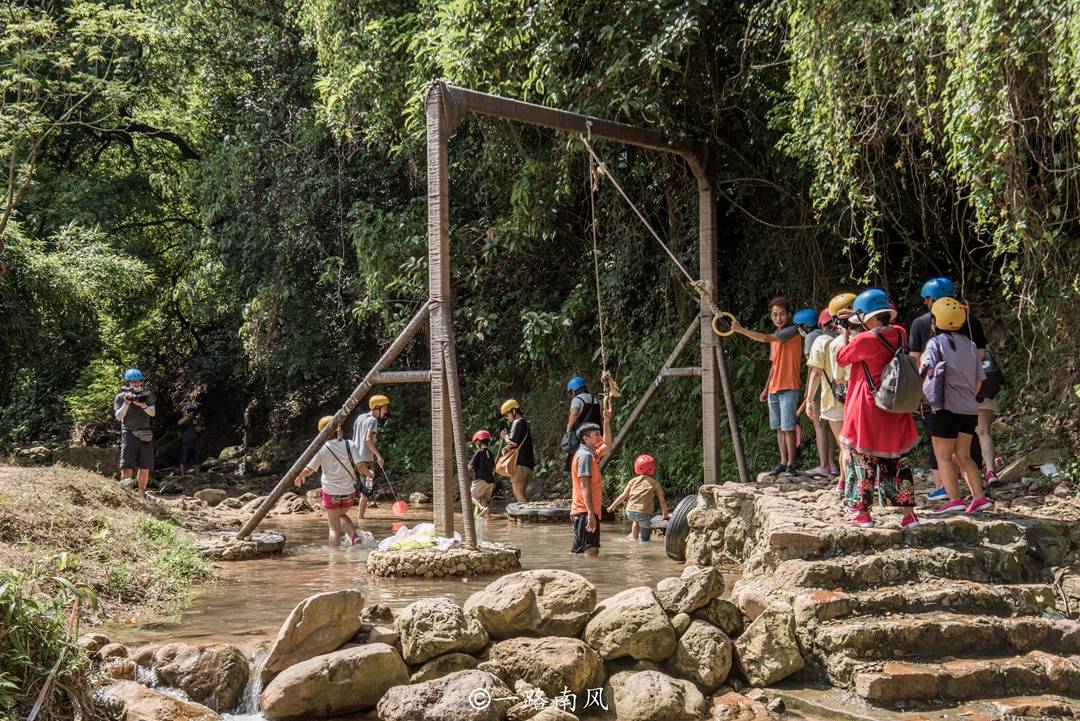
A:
{"x": 483, "y": 467}
{"x": 640, "y": 491}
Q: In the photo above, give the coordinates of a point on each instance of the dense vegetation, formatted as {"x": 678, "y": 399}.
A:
{"x": 230, "y": 195}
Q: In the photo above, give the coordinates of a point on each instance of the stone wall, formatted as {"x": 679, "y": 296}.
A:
{"x": 488, "y": 559}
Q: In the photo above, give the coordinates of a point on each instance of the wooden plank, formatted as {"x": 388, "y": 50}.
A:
{"x": 403, "y": 377}
{"x": 682, "y": 372}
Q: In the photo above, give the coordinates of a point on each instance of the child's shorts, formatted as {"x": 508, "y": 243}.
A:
{"x": 583, "y": 539}
{"x": 482, "y": 490}
{"x": 782, "y": 406}
{"x": 337, "y": 503}
{"x": 644, "y": 521}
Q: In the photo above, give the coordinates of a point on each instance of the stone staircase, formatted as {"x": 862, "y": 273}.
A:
{"x": 957, "y": 609}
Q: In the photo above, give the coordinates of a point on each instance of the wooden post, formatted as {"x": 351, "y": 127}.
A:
{"x": 710, "y": 387}
{"x": 439, "y": 121}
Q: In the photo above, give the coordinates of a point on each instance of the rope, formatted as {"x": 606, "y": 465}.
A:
{"x": 700, "y": 288}
{"x": 596, "y": 259}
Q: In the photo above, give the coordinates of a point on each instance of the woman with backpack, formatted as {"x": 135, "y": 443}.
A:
{"x": 952, "y": 375}
{"x": 877, "y": 438}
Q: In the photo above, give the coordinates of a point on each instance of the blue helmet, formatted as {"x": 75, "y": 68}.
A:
{"x": 576, "y": 383}
{"x": 806, "y": 316}
{"x": 871, "y": 302}
{"x": 938, "y": 288}
{"x": 132, "y": 374}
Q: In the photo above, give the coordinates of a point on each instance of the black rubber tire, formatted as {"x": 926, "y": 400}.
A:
{"x": 514, "y": 510}
{"x": 678, "y": 529}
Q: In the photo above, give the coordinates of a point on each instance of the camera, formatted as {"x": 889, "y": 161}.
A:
{"x": 135, "y": 395}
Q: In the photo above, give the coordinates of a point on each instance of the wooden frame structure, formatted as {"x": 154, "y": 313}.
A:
{"x": 445, "y": 107}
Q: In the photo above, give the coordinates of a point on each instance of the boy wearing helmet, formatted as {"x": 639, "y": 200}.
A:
{"x": 876, "y": 438}
{"x": 820, "y": 328}
{"x": 587, "y": 486}
{"x": 640, "y": 491}
{"x": 518, "y": 436}
{"x": 952, "y": 375}
{"x": 134, "y": 406}
{"x": 483, "y": 467}
{"x": 337, "y": 459}
{"x": 365, "y": 428}
{"x": 785, "y": 381}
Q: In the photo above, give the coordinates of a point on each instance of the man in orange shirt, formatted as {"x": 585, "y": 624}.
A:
{"x": 782, "y": 388}
{"x": 586, "y": 486}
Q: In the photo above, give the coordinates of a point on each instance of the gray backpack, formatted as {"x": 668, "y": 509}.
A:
{"x": 901, "y": 388}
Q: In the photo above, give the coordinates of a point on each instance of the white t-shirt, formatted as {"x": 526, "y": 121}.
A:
{"x": 823, "y": 357}
{"x": 365, "y": 424}
{"x": 337, "y": 478}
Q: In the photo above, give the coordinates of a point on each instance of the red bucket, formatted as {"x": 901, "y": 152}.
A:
{"x": 400, "y": 508}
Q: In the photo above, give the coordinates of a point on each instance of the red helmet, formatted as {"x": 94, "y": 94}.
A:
{"x": 645, "y": 465}
{"x": 824, "y": 317}
{"x": 481, "y": 435}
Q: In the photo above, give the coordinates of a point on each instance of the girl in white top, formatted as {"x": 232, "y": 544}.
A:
{"x": 337, "y": 459}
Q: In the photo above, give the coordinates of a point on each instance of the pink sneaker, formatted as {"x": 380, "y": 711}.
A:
{"x": 957, "y": 506}
{"x": 991, "y": 478}
{"x": 863, "y": 520}
{"x": 909, "y": 521}
{"x": 983, "y": 504}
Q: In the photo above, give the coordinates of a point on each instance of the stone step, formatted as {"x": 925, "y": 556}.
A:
{"x": 936, "y": 595}
{"x": 965, "y": 679}
{"x": 938, "y": 635}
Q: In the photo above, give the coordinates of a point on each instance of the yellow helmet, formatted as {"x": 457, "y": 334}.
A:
{"x": 377, "y": 402}
{"x": 324, "y": 422}
{"x": 842, "y": 301}
{"x": 508, "y": 405}
{"x": 948, "y": 314}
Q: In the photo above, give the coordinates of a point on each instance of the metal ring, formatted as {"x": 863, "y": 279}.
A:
{"x": 715, "y": 320}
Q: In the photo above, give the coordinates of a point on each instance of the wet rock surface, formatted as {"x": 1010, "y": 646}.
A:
{"x": 534, "y": 603}
{"x": 487, "y": 559}
{"x": 319, "y": 624}
{"x": 432, "y": 627}
{"x": 631, "y": 623}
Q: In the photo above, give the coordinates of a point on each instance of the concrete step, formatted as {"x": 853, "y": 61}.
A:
{"x": 959, "y": 680}
{"x": 946, "y": 595}
{"x": 938, "y": 635}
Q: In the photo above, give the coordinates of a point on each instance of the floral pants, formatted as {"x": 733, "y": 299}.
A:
{"x": 885, "y": 478}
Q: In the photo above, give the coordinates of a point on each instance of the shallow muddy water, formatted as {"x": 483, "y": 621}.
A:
{"x": 252, "y": 598}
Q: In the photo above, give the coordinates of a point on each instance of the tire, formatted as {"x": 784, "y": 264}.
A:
{"x": 678, "y": 529}
{"x": 514, "y": 510}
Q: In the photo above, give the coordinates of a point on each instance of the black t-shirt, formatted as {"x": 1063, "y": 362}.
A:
{"x": 922, "y": 329}
{"x": 483, "y": 465}
{"x": 520, "y": 435}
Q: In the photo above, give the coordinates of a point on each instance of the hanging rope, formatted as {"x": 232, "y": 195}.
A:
{"x": 699, "y": 287}
{"x": 611, "y": 390}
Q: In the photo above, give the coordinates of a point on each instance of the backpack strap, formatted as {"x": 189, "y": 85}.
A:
{"x": 351, "y": 470}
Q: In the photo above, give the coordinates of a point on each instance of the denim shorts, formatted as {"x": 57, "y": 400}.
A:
{"x": 644, "y": 521}
{"x": 782, "y": 405}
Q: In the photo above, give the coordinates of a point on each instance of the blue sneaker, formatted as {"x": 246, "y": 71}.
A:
{"x": 939, "y": 494}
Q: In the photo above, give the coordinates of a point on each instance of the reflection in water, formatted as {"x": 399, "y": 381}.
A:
{"x": 248, "y": 605}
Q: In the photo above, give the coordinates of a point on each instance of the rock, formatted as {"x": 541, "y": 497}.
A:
{"x": 112, "y": 650}
{"x": 432, "y": 627}
{"x": 551, "y": 664}
{"x": 736, "y": 707}
{"x": 230, "y": 452}
{"x": 319, "y": 624}
{"x": 91, "y": 643}
{"x": 694, "y": 589}
{"x": 723, "y": 614}
{"x": 1020, "y": 466}
{"x": 419, "y": 498}
{"x": 443, "y": 665}
{"x": 231, "y": 503}
{"x": 214, "y": 676}
{"x": 653, "y": 696}
{"x": 704, "y": 655}
{"x": 342, "y": 682}
{"x": 383, "y": 634}
{"x": 378, "y": 614}
{"x": 631, "y": 623}
{"x": 553, "y": 713}
{"x": 247, "y": 497}
{"x": 680, "y": 622}
{"x": 532, "y": 701}
{"x": 768, "y": 649}
{"x": 542, "y": 602}
{"x": 776, "y": 705}
{"x": 119, "y": 669}
{"x": 291, "y": 503}
{"x": 140, "y": 703}
{"x": 447, "y": 699}
{"x": 211, "y": 496}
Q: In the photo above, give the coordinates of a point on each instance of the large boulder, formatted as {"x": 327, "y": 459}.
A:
{"x": 542, "y": 602}
{"x": 653, "y": 696}
{"x": 461, "y": 696}
{"x": 319, "y": 624}
{"x": 443, "y": 665}
{"x": 693, "y": 590}
{"x": 734, "y": 706}
{"x": 768, "y": 649}
{"x": 631, "y": 623}
{"x": 723, "y": 614}
{"x": 431, "y": 627}
{"x": 704, "y": 655}
{"x": 139, "y": 703}
{"x": 342, "y": 682}
{"x": 214, "y": 676}
{"x": 550, "y": 664}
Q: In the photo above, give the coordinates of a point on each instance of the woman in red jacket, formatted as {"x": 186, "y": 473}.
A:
{"x": 877, "y": 438}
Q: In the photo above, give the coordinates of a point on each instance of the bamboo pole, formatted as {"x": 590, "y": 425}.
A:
{"x": 454, "y": 391}
{"x": 340, "y": 417}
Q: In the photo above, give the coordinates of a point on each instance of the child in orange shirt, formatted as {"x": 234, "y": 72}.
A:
{"x": 785, "y": 381}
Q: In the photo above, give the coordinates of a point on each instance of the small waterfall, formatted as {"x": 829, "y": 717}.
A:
{"x": 249, "y": 704}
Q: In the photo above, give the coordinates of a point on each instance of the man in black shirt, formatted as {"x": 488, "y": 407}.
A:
{"x": 133, "y": 406}
{"x": 519, "y": 437}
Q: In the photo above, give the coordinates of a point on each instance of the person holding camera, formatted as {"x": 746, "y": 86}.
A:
{"x": 133, "y": 406}
{"x": 191, "y": 430}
